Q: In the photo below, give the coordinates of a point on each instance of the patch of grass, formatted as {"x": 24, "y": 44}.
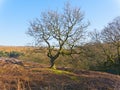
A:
{"x": 60, "y": 71}
{"x": 75, "y": 78}
{"x": 71, "y": 75}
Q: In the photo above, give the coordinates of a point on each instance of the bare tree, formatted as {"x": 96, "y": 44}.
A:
{"x": 58, "y": 31}
{"x": 108, "y": 40}
{"x": 111, "y": 36}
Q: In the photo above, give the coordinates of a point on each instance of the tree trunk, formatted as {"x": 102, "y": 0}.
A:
{"x": 52, "y": 63}
{"x": 53, "y": 58}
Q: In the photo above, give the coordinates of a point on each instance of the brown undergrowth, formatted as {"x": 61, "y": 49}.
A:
{"x": 34, "y": 76}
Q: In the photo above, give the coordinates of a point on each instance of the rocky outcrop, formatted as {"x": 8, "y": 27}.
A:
{"x": 10, "y": 61}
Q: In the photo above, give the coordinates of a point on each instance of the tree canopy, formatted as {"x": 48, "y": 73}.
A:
{"x": 58, "y": 30}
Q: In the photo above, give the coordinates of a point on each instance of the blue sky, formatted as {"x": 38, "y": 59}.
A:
{"x": 16, "y": 14}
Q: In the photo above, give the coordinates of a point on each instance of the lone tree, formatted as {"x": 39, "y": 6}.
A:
{"x": 58, "y": 30}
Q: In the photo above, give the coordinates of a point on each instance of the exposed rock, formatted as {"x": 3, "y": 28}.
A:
{"x": 11, "y": 61}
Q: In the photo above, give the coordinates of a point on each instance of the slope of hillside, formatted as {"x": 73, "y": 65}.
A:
{"x": 18, "y": 75}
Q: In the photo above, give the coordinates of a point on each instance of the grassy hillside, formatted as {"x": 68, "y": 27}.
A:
{"x": 36, "y": 55}
{"x": 92, "y": 57}
{"x": 34, "y": 76}
{"x": 13, "y": 48}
